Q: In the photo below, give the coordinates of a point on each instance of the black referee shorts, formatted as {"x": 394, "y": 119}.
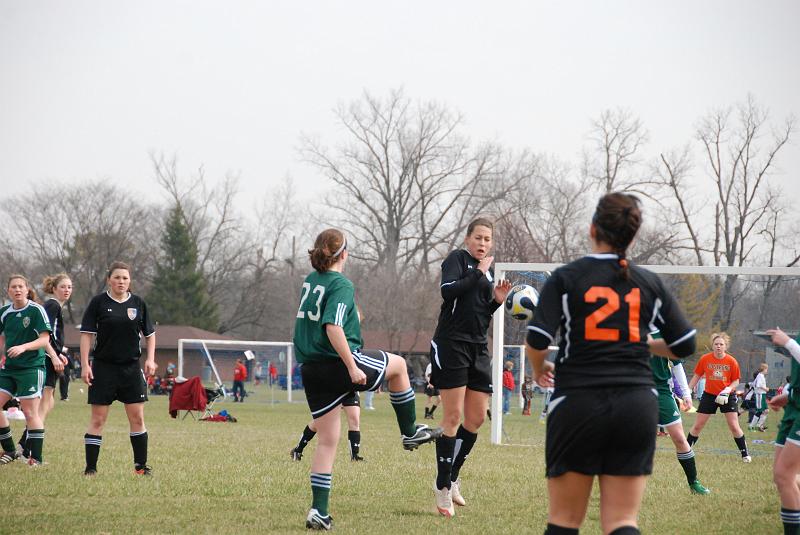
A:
{"x": 50, "y": 374}
{"x": 117, "y": 382}
{"x": 602, "y": 431}
{"x": 708, "y": 405}
{"x": 457, "y": 364}
{"x": 327, "y": 383}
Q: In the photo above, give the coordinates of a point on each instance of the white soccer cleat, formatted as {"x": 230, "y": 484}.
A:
{"x": 444, "y": 502}
{"x": 455, "y": 493}
{"x": 316, "y": 521}
{"x": 747, "y": 459}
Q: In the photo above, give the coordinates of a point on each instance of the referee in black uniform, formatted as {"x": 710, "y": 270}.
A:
{"x": 117, "y": 318}
{"x": 604, "y": 409}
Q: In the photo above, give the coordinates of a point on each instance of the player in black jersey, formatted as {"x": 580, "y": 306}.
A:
{"x": 60, "y": 287}
{"x": 461, "y": 365}
{"x": 604, "y": 407}
{"x": 117, "y": 319}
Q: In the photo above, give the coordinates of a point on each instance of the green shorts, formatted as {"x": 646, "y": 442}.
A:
{"x": 668, "y": 411}
{"x": 26, "y": 383}
{"x": 789, "y": 428}
{"x": 760, "y": 402}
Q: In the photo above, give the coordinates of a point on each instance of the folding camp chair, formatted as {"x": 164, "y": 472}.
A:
{"x": 190, "y": 396}
{"x": 212, "y": 396}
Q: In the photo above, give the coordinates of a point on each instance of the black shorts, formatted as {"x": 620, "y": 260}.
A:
{"x": 50, "y": 374}
{"x": 117, "y": 382}
{"x": 352, "y": 400}
{"x": 602, "y": 431}
{"x": 431, "y": 391}
{"x": 457, "y": 364}
{"x": 327, "y": 383}
{"x": 709, "y": 406}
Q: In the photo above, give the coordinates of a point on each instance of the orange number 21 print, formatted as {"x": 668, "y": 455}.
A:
{"x": 596, "y": 293}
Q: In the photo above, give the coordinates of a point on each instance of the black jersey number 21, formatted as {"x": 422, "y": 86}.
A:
{"x": 612, "y": 299}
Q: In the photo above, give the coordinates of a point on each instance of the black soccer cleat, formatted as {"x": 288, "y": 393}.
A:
{"x": 314, "y": 520}
{"x": 423, "y": 435}
{"x": 356, "y": 458}
{"x": 90, "y": 472}
{"x": 9, "y": 457}
{"x": 143, "y": 470}
{"x": 296, "y": 454}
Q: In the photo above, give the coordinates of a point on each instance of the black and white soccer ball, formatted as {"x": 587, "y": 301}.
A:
{"x": 522, "y": 301}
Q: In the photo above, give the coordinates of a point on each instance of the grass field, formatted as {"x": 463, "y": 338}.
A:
{"x": 238, "y": 478}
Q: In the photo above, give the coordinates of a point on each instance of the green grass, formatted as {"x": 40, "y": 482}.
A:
{"x": 238, "y": 478}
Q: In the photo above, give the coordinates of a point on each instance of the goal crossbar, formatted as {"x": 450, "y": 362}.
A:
{"x": 498, "y": 328}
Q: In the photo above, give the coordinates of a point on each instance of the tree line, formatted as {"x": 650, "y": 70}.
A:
{"x": 405, "y": 180}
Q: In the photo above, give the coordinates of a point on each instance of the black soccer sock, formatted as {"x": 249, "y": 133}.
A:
{"x": 23, "y": 442}
{"x": 687, "y": 463}
{"x": 444, "y": 460}
{"x": 354, "y": 437}
{"x": 139, "y": 445}
{"x": 626, "y": 530}
{"x": 464, "y": 443}
{"x": 305, "y": 438}
{"x": 552, "y": 529}
{"x": 691, "y": 439}
{"x": 741, "y": 443}
{"x": 36, "y": 443}
{"x": 6, "y": 440}
{"x": 433, "y": 409}
{"x": 791, "y": 521}
{"x": 427, "y": 412}
{"x": 92, "y": 445}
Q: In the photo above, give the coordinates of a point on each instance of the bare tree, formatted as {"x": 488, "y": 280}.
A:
{"x": 81, "y": 230}
{"x": 407, "y": 180}
{"x": 612, "y": 161}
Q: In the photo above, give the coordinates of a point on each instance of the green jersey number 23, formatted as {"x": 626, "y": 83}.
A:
{"x": 319, "y": 290}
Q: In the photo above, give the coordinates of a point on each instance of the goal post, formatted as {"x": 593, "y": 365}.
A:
{"x": 207, "y": 354}
{"x": 749, "y": 281}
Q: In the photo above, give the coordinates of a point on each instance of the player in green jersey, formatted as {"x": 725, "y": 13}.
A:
{"x": 327, "y": 341}
{"x": 786, "y": 468}
{"x": 24, "y": 334}
{"x": 670, "y": 417}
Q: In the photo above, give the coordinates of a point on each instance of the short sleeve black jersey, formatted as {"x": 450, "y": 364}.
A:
{"x": 53, "y": 309}
{"x": 118, "y": 326}
{"x": 468, "y": 299}
{"x": 604, "y": 321}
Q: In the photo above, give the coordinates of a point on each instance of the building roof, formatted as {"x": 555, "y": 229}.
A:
{"x": 167, "y": 336}
{"x": 402, "y": 342}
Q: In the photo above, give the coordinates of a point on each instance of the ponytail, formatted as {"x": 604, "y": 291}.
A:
{"x": 616, "y": 220}
{"x": 328, "y": 248}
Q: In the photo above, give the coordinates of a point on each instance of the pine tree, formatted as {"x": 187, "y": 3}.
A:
{"x": 179, "y": 295}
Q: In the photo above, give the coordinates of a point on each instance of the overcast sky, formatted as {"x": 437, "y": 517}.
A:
{"x": 87, "y": 88}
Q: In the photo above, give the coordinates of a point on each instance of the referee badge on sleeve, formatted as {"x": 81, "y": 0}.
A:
{"x": 132, "y": 313}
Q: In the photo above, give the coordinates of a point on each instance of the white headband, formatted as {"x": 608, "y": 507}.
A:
{"x": 342, "y": 248}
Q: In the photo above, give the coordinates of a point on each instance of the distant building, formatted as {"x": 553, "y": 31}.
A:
{"x": 780, "y": 365}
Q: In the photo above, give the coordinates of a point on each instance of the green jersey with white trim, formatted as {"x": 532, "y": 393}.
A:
{"x": 794, "y": 380}
{"x": 662, "y": 367}
{"x": 325, "y": 298}
{"x": 21, "y": 326}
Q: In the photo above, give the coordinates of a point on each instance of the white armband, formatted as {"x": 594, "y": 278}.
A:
{"x": 679, "y": 381}
{"x": 794, "y": 348}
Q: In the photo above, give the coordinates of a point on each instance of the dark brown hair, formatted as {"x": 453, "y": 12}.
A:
{"x": 479, "y": 222}
{"x": 616, "y": 220}
{"x": 117, "y": 265}
{"x": 51, "y": 282}
{"x": 328, "y": 247}
{"x": 31, "y": 292}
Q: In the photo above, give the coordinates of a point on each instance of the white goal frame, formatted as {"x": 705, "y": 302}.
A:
{"x": 246, "y": 343}
{"x": 498, "y": 328}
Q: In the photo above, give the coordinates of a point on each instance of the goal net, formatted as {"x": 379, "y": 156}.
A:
{"x": 743, "y": 301}
{"x": 272, "y": 374}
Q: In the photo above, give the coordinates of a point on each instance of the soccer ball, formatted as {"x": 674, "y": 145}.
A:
{"x": 522, "y": 301}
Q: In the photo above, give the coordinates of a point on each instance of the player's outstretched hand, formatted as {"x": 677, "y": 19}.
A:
{"x": 779, "y": 338}
{"x": 778, "y": 402}
{"x": 501, "y": 290}
{"x": 86, "y": 375}
{"x": 485, "y": 263}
